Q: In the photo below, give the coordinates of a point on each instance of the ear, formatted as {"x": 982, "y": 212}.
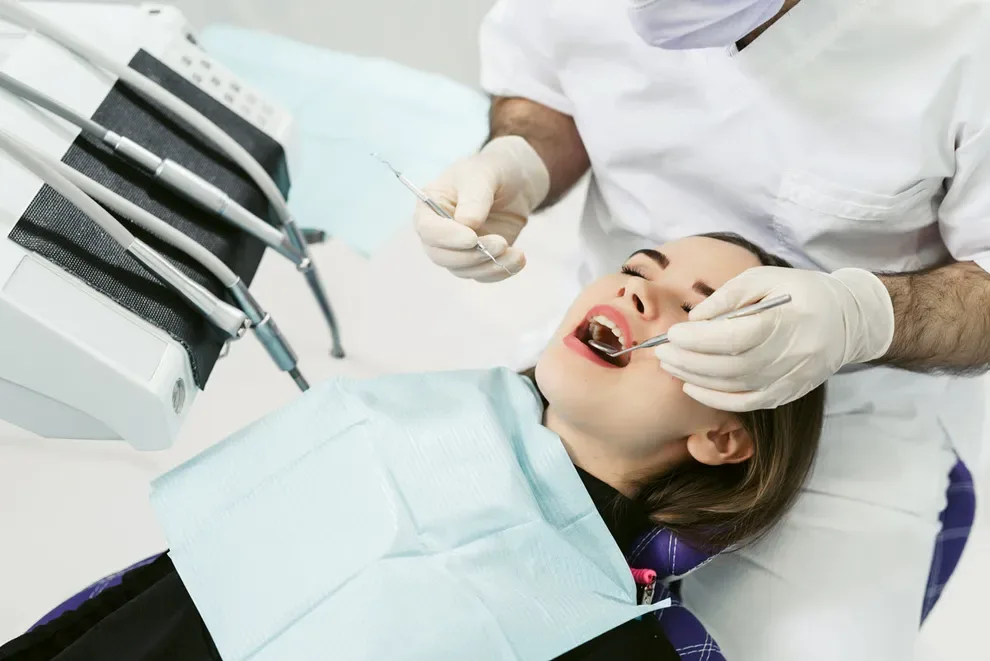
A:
{"x": 729, "y": 443}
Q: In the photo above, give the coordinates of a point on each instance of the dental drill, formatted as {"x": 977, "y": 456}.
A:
{"x": 188, "y": 183}
{"x": 172, "y": 175}
{"x": 260, "y": 321}
{"x": 228, "y": 319}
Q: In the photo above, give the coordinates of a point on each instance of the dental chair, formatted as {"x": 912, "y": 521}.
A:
{"x": 671, "y": 560}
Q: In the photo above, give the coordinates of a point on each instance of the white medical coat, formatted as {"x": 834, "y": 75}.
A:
{"x": 850, "y": 133}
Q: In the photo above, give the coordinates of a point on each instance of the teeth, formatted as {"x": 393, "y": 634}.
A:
{"x": 608, "y": 323}
{"x": 604, "y": 321}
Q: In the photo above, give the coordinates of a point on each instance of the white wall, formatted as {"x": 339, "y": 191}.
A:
{"x": 434, "y": 35}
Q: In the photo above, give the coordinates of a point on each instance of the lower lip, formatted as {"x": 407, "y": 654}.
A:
{"x": 583, "y": 350}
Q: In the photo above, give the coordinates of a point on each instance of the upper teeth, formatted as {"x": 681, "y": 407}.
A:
{"x": 608, "y": 323}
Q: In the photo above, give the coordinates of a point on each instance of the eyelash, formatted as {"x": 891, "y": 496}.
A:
{"x": 634, "y": 272}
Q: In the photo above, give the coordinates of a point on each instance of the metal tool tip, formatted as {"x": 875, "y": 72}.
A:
{"x": 338, "y": 352}
{"x": 604, "y": 348}
{"x": 299, "y": 379}
{"x": 384, "y": 162}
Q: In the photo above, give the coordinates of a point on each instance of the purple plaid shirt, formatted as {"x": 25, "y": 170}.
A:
{"x": 672, "y": 559}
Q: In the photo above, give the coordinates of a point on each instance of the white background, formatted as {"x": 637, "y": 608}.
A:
{"x": 71, "y": 512}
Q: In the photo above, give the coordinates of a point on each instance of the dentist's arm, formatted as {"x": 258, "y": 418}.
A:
{"x": 941, "y": 319}
{"x": 533, "y": 156}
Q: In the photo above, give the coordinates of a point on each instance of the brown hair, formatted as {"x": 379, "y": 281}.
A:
{"x": 714, "y": 508}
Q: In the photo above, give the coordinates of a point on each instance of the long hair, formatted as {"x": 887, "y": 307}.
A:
{"x": 714, "y": 508}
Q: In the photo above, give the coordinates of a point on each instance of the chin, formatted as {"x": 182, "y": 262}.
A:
{"x": 559, "y": 367}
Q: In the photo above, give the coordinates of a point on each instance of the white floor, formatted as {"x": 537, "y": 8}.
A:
{"x": 72, "y": 512}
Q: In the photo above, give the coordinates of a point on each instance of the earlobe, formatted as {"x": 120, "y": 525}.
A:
{"x": 730, "y": 444}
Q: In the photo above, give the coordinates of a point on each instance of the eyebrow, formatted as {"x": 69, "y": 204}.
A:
{"x": 661, "y": 259}
{"x": 663, "y": 262}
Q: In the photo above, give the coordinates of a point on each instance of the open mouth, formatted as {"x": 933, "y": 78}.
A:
{"x": 604, "y": 329}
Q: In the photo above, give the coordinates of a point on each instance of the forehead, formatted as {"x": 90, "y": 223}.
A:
{"x": 716, "y": 262}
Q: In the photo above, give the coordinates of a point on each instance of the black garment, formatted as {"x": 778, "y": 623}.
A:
{"x": 638, "y": 640}
{"x": 151, "y": 617}
{"x": 148, "y": 617}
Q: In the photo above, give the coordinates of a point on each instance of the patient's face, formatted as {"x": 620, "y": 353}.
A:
{"x": 634, "y": 407}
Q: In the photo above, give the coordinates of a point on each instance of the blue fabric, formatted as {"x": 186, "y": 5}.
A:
{"x": 957, "y": 522}
{"x": 672, "y": 559}
{"x": 346, "y": 107}
{"x": 407, "y": 517}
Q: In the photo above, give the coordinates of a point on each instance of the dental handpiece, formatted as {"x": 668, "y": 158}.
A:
{"x": 209, "y": 132}
{"x": 291, "y": 244}
{"x": 747, "y": 311}
{"x": 170, "y": 173}
{"x": 225, "y": 317}
{"x": 260, "y": 322}
{"x": 196, "y": 189}
{"x": 437, "y": 209}
{"x": 268, "y": 333}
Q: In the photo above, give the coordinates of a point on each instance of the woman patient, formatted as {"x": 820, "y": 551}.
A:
{"x": 647, "y": 453}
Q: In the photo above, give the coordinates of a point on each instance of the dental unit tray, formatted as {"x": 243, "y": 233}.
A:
{"x": 94, "y": 347}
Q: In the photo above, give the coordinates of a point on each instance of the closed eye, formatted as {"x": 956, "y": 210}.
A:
{"x": 633, "y": 271}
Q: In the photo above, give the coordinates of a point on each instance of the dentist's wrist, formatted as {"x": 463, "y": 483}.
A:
{"x": 534, "y": 183}
{"x": 869, "y": 315}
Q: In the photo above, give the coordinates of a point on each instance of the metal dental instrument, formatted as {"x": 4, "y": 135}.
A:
{"x": 261, "y": 322}
{"x": 170, "y": 173}
{"x": 231, "y": 321}
{"x": 208, "y": 131}
{"x": 749, "y": 310}
{"x": 436, "y": 208}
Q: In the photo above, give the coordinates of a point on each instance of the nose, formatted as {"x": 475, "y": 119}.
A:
{"x": 635, "y": 292}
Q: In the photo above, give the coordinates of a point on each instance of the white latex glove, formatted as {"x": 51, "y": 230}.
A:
{"x": 491, "y": 196}
{"x": 779, "y": 355}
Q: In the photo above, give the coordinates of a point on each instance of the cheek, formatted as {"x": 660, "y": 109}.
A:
{"x": 653, "y": 398}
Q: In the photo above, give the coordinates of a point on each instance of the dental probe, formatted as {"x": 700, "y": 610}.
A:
{"x": 436, "y": 208}
{"x": 208, "y": 131}
{"x": 747, "y": 311}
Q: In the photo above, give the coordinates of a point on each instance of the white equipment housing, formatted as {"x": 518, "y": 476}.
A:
{"x": 74, "y": 364}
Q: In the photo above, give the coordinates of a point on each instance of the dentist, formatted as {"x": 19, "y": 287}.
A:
{"x": 853, "y": 138}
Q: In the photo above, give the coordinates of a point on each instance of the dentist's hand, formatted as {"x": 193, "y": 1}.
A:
{"x": 491, "y": 196}
{"x": 774, "y": 357}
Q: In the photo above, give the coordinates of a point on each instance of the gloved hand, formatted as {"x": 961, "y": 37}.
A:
{"x": 779, "y": 355}
{"x": 491, "y": 196}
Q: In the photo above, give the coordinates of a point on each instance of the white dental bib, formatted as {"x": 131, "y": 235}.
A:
{"x": 406, "y": 517}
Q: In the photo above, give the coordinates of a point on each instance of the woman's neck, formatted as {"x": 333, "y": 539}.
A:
{"x": 612, "y": 462}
